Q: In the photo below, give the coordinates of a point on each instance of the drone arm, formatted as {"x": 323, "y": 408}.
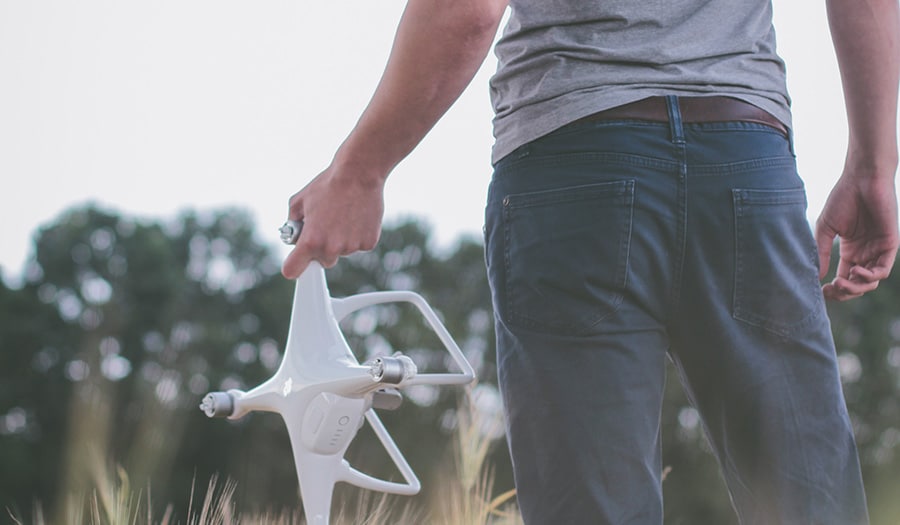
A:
{"x": 347, "y": 305}
{"x": 355, "y": 477}
{"x": 344, "y": 307}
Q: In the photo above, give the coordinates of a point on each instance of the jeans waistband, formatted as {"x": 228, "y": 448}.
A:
{"x": 692, "y": 110}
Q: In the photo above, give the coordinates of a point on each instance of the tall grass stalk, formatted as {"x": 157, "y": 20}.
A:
{"x": 467, "y": 497}
{"x": 463, "y": 494}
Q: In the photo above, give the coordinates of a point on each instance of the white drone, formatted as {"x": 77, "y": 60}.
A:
{"x": 323, "y": 393}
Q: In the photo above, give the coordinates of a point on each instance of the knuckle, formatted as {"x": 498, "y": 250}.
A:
{"x": 329, "y": 250}
{"x": 370, "y": 241}
{"x": 310, "y": 243}
{"x": 295, "y": 202}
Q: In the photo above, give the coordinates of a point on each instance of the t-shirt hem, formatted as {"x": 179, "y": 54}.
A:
{"x": 532, "y": 122}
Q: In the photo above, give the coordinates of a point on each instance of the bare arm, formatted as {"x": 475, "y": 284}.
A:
{"x": 438, "y": 48}
{"x": 862, "y": 207}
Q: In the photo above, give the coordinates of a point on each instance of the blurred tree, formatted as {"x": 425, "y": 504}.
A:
{"x": 123, "y": 325}
{"x": 33, "y": 342}
{"x": 867, "y": 336}
{"x": 120, "y": 327}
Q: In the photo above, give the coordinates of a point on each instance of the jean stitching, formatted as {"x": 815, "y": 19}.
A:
{"x": 568, "y": 159}
{"x": 744, "y": 166}
{"x": 581, "y": 127}
{"x": 740, "y": 312}
{"x": 679, "y": 141}
{"x": 588, "y": 192}
{"x": 626, "y": 240}
{"x": 681, "y": 232}
{"x": 623, "y": 193}
{"x": 507, "y": 259}
{"x": 733, "y": 126}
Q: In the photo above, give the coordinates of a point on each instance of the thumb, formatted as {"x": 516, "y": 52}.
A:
{"x": 824, "y": 243}
{"x": 295, "y": 263}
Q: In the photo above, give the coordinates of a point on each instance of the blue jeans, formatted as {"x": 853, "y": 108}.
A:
{"x": 611, "y": 245}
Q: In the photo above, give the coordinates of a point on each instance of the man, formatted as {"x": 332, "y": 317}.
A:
{"x": 645, "y": 204}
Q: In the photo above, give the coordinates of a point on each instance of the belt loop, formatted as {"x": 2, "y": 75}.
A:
{"x": 675, "y": 125}
{"x": 790, "y": 137}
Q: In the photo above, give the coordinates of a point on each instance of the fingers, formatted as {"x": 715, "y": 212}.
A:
{"x": 306, "y": 250}
{"x": 295, "y": 207}
{"x": 841, "y": 289}
{"x": 340, "y": 216}
{"x": 854, "y": 280}
{"x": 861, "y": 267}
{"x": 316, "y": 245}
{"x": 298, "y": 260}
{"x": 295, "y": 263}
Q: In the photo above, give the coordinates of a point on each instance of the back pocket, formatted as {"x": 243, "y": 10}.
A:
{"x": 776, "y": 272}
{"x": 566, "y": 256}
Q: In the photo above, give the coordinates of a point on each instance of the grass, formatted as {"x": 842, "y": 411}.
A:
{"x": 463, "y": 495}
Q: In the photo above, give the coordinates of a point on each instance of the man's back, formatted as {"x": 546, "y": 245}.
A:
{"x": 563, "y": 60}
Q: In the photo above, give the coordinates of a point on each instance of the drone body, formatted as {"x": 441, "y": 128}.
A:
{"x": 324, "y": 394}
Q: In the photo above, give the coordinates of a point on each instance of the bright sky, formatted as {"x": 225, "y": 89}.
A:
{"x": 147, "y": 108}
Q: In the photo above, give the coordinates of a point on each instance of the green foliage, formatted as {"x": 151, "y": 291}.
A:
{"x": 867, "y": 337}
{"x": 120, "y": 328}
{"x": 122, "y": 325}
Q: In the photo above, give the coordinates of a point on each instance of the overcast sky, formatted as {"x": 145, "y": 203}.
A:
{"x": 147, "y": 108}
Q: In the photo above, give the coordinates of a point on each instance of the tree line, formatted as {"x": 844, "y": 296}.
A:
{"x": 121, "y": 325}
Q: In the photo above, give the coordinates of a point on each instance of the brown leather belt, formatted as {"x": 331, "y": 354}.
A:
{"x": 693, "y": 110}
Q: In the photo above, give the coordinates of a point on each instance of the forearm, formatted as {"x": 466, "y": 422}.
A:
{"x": 866, "y": 35}
{"x": 439, "y": 46}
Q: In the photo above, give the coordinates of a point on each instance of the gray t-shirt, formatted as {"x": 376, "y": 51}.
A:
{"x": 561, "y": 60}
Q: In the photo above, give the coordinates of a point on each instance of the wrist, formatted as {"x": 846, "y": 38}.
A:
{"x": 882, "y": 164}
{"x": 358, "y": 170}
{"x": 372, "y": 150}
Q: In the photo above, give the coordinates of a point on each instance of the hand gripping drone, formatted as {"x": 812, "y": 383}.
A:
{"x": 324, "y": 394}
